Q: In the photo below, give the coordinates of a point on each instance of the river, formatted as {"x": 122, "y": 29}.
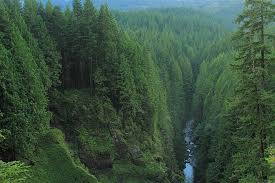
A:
{"x": 188, "y": 170}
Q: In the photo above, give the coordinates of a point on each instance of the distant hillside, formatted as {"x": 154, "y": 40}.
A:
{"x": 225, "y": 9}
{"x": 215, "y": 5}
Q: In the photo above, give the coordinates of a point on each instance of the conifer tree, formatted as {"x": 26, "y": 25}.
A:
{"x": 24, "y": 96}
{"x": 89, "y": 20}
{"x": 251, "y": 109}
{"x": 126, "y": 91}
{"x": 4, "y": 25}
{"x": 75, "y": 36}
{"x": 46, "y": 44}
{"x": 47, "y": 14}
{"x": 107, "y": 51}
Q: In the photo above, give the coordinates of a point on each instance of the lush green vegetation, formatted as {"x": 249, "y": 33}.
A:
{"x": 233, "y": 104}
{"x": 87, "y": 95}
{"x": 177, "y": 38}
{"x": 54, "y": 162}
{"x": 109, "y": 101}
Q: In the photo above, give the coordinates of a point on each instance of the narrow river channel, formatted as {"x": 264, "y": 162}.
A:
{"x": 188, "y": 170}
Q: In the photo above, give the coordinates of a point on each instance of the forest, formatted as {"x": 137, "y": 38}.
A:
{"x": 94, "y": 95}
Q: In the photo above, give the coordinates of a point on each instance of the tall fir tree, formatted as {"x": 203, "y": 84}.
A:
{"x": 89, "y": 20}
{"x": 46, "y": 44}
{"x": 251, "y": 110}
{"x": 107, "y": 60}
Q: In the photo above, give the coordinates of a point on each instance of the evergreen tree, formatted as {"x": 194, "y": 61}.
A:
{"x": 4, "y": 25}
{"x": 75, "y": 46}
{"x": 251, "y": 109}
{"x": 89, "y": 40}
{"x": 24, "y": 112}
{"x": 46, "y": 44}
{"x": 16, "y": 17}
{"x": 127, "y": 91}
{"x": 107, "y": 60}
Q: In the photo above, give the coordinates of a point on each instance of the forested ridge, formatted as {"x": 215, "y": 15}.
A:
{"x": 221, "y": 7}
{"x": 90, "y": 95}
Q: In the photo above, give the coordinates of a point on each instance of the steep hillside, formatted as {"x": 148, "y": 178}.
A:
{"x": 53, "y": 162}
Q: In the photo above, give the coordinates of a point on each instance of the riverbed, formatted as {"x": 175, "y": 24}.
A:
{"x": 188, "y": 170}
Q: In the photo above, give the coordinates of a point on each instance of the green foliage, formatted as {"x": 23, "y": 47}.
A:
{"x": 97, "y": 144}
{"x": 271, "y": 162}
{"x": 13, "y": 172}
{"x": 213, "y": 87}
{"x": 233, "y": 109}
{"x": 125, "y": 100}
{"x": 53, "y": 163}
{"x": 251, "y": 109}
{"x": 121, "y": 94}
{"x": 179, "y": 40}
{"x": 23, "y": 95}
{"x": 39, "y": 31}
{"x": 173, "y": 34}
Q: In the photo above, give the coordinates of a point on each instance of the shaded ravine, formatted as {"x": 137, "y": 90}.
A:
{"x": 188, "y": 170}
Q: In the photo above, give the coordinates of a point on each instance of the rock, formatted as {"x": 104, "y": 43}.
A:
{"x": 120, "y": 144}
{"x": 136, "y": 155}
{"x": 99, "y": 162}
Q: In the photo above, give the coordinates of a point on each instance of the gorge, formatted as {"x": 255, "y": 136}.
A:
{"x": 89, "y": 94}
